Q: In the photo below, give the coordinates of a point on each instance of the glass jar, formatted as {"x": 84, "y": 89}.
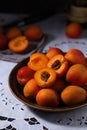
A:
{"x": 77, "y": 12}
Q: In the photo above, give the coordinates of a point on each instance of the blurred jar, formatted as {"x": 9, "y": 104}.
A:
{"x": 77, "y": 12}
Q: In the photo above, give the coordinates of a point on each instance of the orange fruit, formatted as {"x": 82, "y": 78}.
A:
{"x": 31, "y": 89}
{"x": 18, "y": 44}
{"x": 24, "y": 74}
{"x": 37, "y": 61}
{"x": 13, "y": 33}
{"x": 34, "y": 33}
{"x": 47, "y": 97}
{"x": 73, "y": 30}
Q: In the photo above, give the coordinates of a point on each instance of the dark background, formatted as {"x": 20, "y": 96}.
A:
{"x": 42, "y": 7}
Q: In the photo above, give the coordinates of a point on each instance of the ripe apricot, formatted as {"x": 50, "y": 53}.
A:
{"x": 59, "y": 64}
{"x": 73, "y": 30}
{"x": 37, "y": 61}
{"x": 47, "y": 97}
{"x": 18, "y": 44}
{"x": 13, "y": 33}
{"x": 45, "y": 77}
{"x": 59, "y": 85}
{"x": 24, "y": 74}
{"x": 53, "y": 51}
{"x": 33, "y": 32}
{"x": 73, "y": 95}
{"x": 31, "y": 89}
{"x": 3, "y": 42}
{"x": 75, "y": 56}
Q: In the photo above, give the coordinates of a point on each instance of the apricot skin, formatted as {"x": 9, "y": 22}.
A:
{"x": 24, "y": 74}
{"x": 75, "y": 56}
{"x": 59, "y": 85}
{"x": 53, "y": 51}
{"x": 73, "y": 95}
{"x": 77, "y": 75}
{"x": 33, "y": 32}
{"x": 47, "y": 97}
{"x": 73, "y": 30}
{"x": 31, "y": 89}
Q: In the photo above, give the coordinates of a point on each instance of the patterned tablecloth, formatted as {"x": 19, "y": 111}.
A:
{"x": 14, "y": 115}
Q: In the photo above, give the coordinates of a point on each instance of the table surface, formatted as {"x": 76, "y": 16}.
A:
{"x": 14, "y": 114}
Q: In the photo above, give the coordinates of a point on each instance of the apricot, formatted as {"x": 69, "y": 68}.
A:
{"x": 85, "y": 62}
{"x": 75, "y": 56}
{"x": 45, "y": 77}
{"x": 77, "y": 75}
{"x": 33, "y": 32}
{"x": 3, "y": 42}
{"x": 73, "y": 30}
{"x": 24, "y": 74}
{"x": 59, "y": 85}
{"x": 73, "y": 95}
{"x": 53, "y": 51}
{"x": 13, "y": 33}
{"x": 31, "y": 89}
{"x": 47, "y": 98}
{"x": 59, "y": 64}
{"x": 18, "y": 44}
{"x": 37, "y": 61}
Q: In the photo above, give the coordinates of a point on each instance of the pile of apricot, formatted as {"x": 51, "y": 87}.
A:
{"x": 17, "y": 40}
{"x": 55, "y": 78}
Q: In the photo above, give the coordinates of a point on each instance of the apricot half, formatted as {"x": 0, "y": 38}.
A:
{"x": 47, "y": 97}
{"x": 19, "y": 44}
{"x": 37, "y": 61}
{"x": 59, "y": 64}
{"x": 45, "y": 77}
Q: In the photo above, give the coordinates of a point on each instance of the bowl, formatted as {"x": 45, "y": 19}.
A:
{"x": 17, "y": 91}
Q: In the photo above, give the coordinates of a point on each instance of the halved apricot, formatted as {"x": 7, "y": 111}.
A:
{"x": 38, "y": 61}
{"x": 19, "y": 44}
{"x": 59, "y": 64}
{"x": 45, "y": 77}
